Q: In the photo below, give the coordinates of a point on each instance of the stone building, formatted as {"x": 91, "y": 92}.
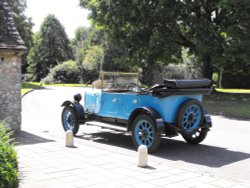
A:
{"x": 11, "y": 49}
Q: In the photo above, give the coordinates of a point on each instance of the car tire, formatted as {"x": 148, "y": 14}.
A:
{"x": 70, "y": 119}
{"x": 144, "y": 132}
{"x": 197, "y": 137}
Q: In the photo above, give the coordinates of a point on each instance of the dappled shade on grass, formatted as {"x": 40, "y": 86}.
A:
{"x": 232, "y": 105}
{"x": 32, "y": 85}
{"x": 28, "y": 86}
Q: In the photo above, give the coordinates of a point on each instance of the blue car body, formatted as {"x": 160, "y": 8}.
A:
{"x": 122, "y": 105}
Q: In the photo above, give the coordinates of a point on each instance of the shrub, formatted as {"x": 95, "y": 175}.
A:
{"x": 67, "y": 72}
{"x": 157, "y": 73}
{"x": 187, "y": 68}
{"x": 8, "y": 160}
{"x": 27, "y": 77}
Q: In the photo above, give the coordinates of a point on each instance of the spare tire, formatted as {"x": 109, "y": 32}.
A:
{"x": 190, "y": 116}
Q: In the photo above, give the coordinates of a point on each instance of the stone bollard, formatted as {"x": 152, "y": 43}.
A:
{"x": 142, "y": 156}
{"x": 69, "y": 139}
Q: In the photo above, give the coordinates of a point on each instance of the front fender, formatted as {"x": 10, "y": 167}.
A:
{"x": 77, "y": 106}
{"x": 68, "y": 103}
{"x": 152, "y": 113}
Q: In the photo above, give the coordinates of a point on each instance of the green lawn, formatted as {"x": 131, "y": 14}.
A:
{"x": 232, "y": 105}
{"x": 28, "y": 86}
{"x": 233, "y": 90}
{"x": 33, "y": 85}
{"x": 69, "y": 85}
{"x": 25, "y": 90}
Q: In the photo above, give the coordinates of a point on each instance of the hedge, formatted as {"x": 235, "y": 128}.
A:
{"x": 8, "y": 160}
{"x": 67, "y": 72}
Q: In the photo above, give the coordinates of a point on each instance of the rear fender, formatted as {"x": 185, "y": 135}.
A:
{"x": 207, "y": 120}
{"x": 152, "y": 113}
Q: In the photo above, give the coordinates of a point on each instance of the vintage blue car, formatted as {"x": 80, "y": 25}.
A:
{"x": 117, "y": 102}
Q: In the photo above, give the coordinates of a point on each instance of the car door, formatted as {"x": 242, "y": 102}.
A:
{"x": 128, "y": 103}
{"x": 118, "y": 105}
{"x": 109, "y": 105}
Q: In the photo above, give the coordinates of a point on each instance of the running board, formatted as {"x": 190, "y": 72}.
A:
{"x": 107, "y": 126}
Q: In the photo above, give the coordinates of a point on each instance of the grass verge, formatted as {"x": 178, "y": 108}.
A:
{"x": 231, "y": 105}
{"x": 28, "y": 86}
{"x": 25, "y": 90}
{"x": 69, "y": 85}
{"x": 242, "y": 91}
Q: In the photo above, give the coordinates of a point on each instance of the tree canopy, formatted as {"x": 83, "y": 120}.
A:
{"x": 236, "y": 57}
{"x": 151, "y": 31}
{"x": 51, "y": 47}
{"x": 84, "y": 44}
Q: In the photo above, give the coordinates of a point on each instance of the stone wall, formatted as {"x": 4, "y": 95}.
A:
{"x": 10, "y": 85}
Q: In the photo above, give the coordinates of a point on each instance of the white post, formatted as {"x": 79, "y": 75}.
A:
{"x": 69, "y": 139}
{"x": 142, "y": 156}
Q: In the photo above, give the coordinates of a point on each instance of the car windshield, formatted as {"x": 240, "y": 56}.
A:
{"x": 119, "y": 81}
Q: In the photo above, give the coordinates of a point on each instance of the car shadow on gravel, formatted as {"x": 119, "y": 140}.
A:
{"x": 174, "y": 150}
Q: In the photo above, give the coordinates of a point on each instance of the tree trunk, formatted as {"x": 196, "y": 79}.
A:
{"x": 220, "y": 78}
{"x": 207, "y": 67}
{"x": 148, "y": 71}
{"x": 148, "y": 75}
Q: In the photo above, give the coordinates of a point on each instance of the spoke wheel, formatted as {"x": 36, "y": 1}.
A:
{"x": 190, "y": 116}
{"x": 144, "y": 132}
{"x": 189, "y": 119}
{"x": 70, "y": 120}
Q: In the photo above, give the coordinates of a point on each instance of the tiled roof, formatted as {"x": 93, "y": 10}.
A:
{"x": 9, "y": 36}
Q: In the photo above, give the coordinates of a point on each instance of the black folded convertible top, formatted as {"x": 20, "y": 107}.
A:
{"x": 182, "y": 87}
{"x": 184, "y": 84}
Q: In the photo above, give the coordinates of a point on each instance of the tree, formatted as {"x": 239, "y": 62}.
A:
{"x": 51, "y": 47}
{"x": 156, "y": 31}
{"x": 23, "y": 25}
{"x": 237, "y": 37}
{"x": 79, "y": 43}
{"x": 85, "y": 41}
{"x": 115, "y": 60}
{"x": 81, "y": 34}
{"x": 92, "y": 63}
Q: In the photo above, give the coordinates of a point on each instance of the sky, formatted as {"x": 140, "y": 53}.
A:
{"x": 68, "y": 12}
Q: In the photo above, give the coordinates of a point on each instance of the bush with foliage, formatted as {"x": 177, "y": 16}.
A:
{"x": 92, "y": 64}
{"x": 8, "y": 160}
{"x": 67, "y": 72}
{"x": 158, "y": 72}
